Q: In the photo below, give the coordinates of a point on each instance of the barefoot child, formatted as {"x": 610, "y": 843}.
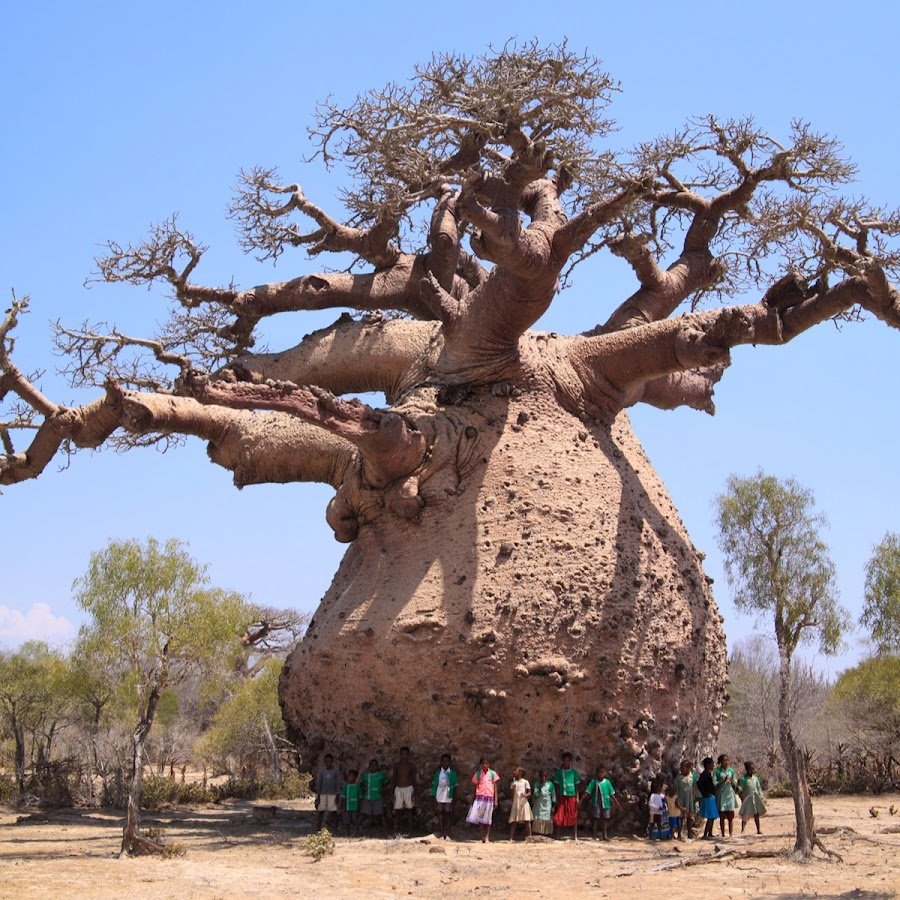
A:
{"x": 754, "y": 803}
{"x": 404, "y": 780}
{"x": 601, "y": 795}
{"x": 567, "y": 781}
{"x": 543, "y": 798}
{"x": 657, "y": 805}
{"x": 443, "y": 788}
{"x": 707, "y": 788}
{"x": 673, "y": 810}
{"x": 349, "y": 803}
{"x": 327, "y": 787}
{"x": 482, "y": 810}
{"x": 726, "y": 798}
{"x": 685, "y": 789}
{"x": 520, "y": 813}
{"x": 372, "y": 785}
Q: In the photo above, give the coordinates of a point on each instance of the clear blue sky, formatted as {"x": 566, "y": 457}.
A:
{"x": 114, "y": 115}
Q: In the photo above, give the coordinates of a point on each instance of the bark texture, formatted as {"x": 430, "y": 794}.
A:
{"x": 547, "y": 598}
{"x": 518, "y": 582}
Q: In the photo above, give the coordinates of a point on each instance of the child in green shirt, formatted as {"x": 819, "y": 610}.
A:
{"x": 601, "y": 795}
{"x": 349, "y": 802}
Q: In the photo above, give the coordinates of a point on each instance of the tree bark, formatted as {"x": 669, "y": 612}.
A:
{"x": 546, "y": 598}
{"x": 132, "y": 842}
{"x": 805, "y": 837}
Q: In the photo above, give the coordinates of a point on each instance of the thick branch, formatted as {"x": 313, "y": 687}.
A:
{"x": 578, "y": 230}
{"x": 85, "y": 426}
{"x": 259, "y": 449}
{"x": 627, "y": 359}
{"x": 390, "y": 447}
{"x": 346, "y": 357}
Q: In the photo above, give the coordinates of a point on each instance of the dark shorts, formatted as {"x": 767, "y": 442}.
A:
{"x": 350, "y": 816}
{"x": 444, "y": 807}
{"x": 598, "y": 812}
{"x": 726, "y": 814}
{"x": 675, "y": 821}
{"x": 371, "y": 807}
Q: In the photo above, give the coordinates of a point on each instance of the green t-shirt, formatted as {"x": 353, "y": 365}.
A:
{"x": 566, "y": 781}
{"x": 350, "y": 792}
{"x": 372, "y": 784}
{"x": 601, "y": 791}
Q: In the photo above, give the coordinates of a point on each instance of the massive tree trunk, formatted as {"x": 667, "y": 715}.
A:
{"x": 548, "y": 598}
{"x": 518, "y": 582}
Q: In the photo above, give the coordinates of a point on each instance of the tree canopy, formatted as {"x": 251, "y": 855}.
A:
{"x": 776, "y": 560}
{"x": 881, "y": 609}
{"x": 505, "y": 152}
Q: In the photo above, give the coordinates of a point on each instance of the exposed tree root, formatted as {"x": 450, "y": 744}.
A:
{"x": 137, "y": 845}
{"x": 720, "y": 854}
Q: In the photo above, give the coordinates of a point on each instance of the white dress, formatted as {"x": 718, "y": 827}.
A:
{"x": 521, "y": 808}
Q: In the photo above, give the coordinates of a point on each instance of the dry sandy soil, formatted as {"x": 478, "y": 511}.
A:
{"x": 229, "y": 854}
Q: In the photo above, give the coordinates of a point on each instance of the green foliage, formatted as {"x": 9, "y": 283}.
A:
{"x": 158, "y": 791}
{"x": 319, "y": 845}
{"x": 871, "y": 691}
{"x": 881, "y": 610}
{"x": 294, "y": 786}
{"x": 9, "y": 792}
{"x": 153, "y": 613}
{"x": 249, "y": 724}
{"x": 34, "y": 697}
{"x": 776, "y": 561}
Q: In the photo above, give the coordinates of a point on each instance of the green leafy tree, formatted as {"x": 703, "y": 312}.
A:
{"x": 32, "y": 700}
{"x": 249, "y": 725}
{"x": 156, "y": 620}
{"x": 881, "y": 612}
{"x": 869, "y": 694}
{"x": 777, "y": 564}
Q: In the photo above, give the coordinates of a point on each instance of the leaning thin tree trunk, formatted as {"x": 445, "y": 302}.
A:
{"x": 273, "y": 750}
{"x": 19, "y": 735}
{"x": 131, "y": 840}
{"x": 805, "y": 838}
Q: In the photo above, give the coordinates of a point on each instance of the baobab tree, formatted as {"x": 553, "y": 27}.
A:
{"x": 517, "y": 577}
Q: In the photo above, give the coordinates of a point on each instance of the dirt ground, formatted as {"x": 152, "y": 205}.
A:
{"x": 228, "y": 853}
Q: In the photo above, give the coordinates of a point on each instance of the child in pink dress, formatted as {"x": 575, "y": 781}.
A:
{"x": 482, "y": 810}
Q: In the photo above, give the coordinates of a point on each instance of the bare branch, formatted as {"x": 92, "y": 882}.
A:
{"x": 266, "y": 229}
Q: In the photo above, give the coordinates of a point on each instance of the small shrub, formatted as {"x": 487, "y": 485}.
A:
{"x": 319, "y": 845}
{"x": 171, "y": 849}
{"x": 9, "y": 793}
{"x": 293, "y": 786}
{"x": 157, "y": 791}
{"x": 779, "y": 789}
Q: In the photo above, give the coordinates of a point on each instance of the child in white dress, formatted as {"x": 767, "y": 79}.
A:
{"x": 520, "y": 813}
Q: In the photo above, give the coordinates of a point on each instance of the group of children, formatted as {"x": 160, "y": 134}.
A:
{"x": 712, "y": 795}
{"x": 554, "y": 801}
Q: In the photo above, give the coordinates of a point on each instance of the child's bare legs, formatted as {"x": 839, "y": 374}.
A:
{"x": 756, "y": 821}
{"x": 485, "y": 834}
{"x": 605, "y": 822}
{"x": 730, "y": 820}
{"x": 593, "y": 828}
